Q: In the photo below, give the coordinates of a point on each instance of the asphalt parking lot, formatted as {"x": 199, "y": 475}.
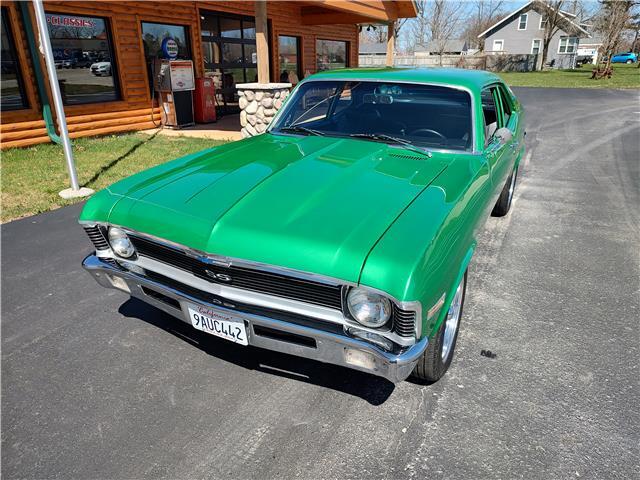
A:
{"x": 98, "y": 386}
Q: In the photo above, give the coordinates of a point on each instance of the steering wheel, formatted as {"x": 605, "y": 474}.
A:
{"x": 429, "y": 130}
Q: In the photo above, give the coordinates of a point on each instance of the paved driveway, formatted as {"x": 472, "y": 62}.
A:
{"x": 98, "y": 386}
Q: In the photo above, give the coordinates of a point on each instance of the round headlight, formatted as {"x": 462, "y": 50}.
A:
{"x": 120, "y": 243}
{"x": 368, "y": 308}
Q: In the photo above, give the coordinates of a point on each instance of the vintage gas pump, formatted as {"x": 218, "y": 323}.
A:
{"x": 174, "y": 80}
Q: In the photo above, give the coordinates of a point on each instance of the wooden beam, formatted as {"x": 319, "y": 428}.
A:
{"x": 332, "y": 18}
{"x": 390, "y": 43}
{"x": 372, "y": 9}
{"x": 262, "y": 45}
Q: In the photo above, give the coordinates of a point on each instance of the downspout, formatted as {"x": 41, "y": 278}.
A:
{"x": 42, "y": 91}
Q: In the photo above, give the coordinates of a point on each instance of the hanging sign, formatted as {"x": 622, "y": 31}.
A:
{"x": 169, "y": 48}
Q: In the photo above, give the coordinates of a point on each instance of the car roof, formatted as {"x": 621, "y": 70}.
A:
{"x": 473, "y": 80}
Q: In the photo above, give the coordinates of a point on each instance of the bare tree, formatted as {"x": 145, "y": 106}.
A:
{"x": 378, "y": 33}
{"x": 614, "y": 17}
{"x": 419, "y": 25}
{"x": 373, "y": 34}
{"x": 443, "y": 21}
{"x": 483, "y": 14}
{"x": 553, "y": 20}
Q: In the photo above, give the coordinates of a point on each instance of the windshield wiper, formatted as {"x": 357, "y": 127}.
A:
{"x": 388, "y": 138}
{"x": 301, "y": 129}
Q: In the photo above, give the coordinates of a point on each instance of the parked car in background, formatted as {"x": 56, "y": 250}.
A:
{"x": 629, "y": 57}
{"x": 343, "y": 234}
{"x": 82, "y": 62}
{"x": 584, "y": 59}
{"x": 101, "y": 69}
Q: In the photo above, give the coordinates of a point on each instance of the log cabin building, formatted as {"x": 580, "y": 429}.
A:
{"x": 104, "y": 53}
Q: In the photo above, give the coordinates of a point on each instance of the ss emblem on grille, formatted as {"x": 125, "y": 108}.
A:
{"x": 218, "y": 276}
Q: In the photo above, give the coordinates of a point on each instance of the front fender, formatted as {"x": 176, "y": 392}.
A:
{"x": 424, "y": 254}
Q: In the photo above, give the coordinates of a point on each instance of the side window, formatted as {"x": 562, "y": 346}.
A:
{"x": 490, "y": 113}
{"x": 12, "y": 95}
{"x": 84, "y": 58}
{"x": 505, "y": 101}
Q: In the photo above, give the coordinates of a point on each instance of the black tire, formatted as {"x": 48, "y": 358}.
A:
{"x": 629, "y": 62}
{"x": 431, "y": 366}
{"x": 503, "y": 205}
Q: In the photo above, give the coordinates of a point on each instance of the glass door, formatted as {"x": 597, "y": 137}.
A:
{"x": 229, "y": 50}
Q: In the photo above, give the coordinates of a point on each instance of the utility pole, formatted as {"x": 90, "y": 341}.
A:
{"x": 45, "y": 48}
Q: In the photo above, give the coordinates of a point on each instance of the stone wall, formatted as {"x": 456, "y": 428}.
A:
{"x": 259, "y": 103}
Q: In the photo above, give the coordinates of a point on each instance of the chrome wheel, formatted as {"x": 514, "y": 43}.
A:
{"x": 452, "y": 321}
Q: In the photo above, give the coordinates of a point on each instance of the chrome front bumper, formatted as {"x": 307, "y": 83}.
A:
{"x": 329, "y": 347}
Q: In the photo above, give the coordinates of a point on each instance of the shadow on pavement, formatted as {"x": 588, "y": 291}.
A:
{"x": 374, "y": 390}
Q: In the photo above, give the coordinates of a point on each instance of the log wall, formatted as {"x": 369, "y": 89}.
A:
{"x": 134, "y": 110}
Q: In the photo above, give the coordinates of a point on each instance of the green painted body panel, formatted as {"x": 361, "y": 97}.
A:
{"x": 360, "y": 211}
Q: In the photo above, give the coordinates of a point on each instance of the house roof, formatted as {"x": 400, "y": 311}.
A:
{"x": 372, "y": 48}
{"x": 594, "y": 40}
{"x": 454, "y": 45}
{"x": 528, "y": 6}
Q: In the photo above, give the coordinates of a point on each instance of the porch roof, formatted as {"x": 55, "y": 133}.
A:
{"x": 326, "y": 12}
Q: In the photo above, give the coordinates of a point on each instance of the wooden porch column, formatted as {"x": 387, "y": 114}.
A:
{"x": 390, "y": 43}
{"x": 262, "y": 45}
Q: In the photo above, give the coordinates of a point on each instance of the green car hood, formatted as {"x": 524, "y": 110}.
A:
{"x": 316, "y": 204}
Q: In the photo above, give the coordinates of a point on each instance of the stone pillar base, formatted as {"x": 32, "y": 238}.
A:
{"x": 259, "y": 103}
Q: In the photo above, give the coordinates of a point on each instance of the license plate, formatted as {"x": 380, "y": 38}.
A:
{"x": 218, "y": 323}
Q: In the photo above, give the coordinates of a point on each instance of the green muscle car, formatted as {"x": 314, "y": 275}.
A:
{"x": 343, "y": 234}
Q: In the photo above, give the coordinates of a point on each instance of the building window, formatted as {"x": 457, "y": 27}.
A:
{"x": 543, "y": 22}
{"x": 84, "y": 58}
{"x": 11, "y": 87}
{"x": 535, "y": 46}
{"x": 331, "y": 54}
{"x": 498, "y": 45}
{"x": 568, "y": 45}
{"x": 289, "y": 59}
{"x": 522, "y": 23}
{"x": 230, "y": 56}
{"x": 153, "y": 35}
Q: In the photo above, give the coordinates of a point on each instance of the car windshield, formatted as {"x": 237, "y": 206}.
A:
{"x": 424, "y": 116}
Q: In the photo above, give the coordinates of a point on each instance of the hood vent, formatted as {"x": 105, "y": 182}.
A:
{"x": 406, "y": 156}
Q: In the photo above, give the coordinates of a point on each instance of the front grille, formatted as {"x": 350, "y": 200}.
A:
{"x": 316, "y": 293}
{"x": 96, "y": 237}
{"x": 404, "y": 322}
{"x": 210, "y": 298}
{"x": 245, "y": 278}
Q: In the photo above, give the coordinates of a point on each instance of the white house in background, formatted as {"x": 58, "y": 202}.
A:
{"x": 372, "y": 49}
{"x": 589, "y": 48}
{"x": 522, "y": 32}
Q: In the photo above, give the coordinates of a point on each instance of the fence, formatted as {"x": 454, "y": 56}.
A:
{"x": 496, "y": 63}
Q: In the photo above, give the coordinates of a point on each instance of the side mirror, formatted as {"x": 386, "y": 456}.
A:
{"x": 504, "y": 135}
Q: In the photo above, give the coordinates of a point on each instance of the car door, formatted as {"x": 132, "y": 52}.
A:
{"x": 511, "y": 119}
{"x": 497, "y": 152}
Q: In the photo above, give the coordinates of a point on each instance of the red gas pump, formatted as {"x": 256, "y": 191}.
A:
{"x": 205, "y": 100}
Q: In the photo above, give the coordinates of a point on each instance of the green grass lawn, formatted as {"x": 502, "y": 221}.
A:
{"x": 32, "y": 177}
{"x": 624, "y": 76}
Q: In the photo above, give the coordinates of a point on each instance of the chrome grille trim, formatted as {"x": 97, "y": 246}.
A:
{"x": 404, "y": 322}
{"x": 96, "y": 236}
{"x": 241, "y": 277}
